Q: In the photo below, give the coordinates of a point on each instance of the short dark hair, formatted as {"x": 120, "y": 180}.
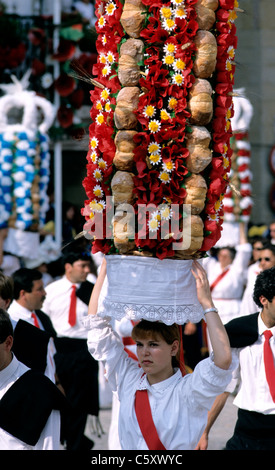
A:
{"x": 264, "y": 285}
{"x": 6, "y": 328}
{"x": 270, "y": 247}
{"x": 72, "y": 256}
{"x": 231, "y": 249}
{"x": 6, "y": 287}
{"x": 23, "y": 280}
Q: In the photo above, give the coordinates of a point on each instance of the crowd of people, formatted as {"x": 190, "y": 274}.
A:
{"x": 53, "y": 345}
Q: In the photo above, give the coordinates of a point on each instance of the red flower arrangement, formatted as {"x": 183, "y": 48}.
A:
{"x": 163, "y": 117}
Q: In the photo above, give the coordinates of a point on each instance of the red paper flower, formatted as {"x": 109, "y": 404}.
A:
{"x": 65, "y": 116}
{"x": 64, "y": 84}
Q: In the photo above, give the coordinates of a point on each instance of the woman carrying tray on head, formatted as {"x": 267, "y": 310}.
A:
{"x": 160, "y": 408}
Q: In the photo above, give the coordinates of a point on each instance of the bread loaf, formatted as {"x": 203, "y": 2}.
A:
{"x": 127, "y": 103}
{"x": 198, "y": 145}
{"x": 125, "y": 145}
{"x": 196, "y": 239}
{"x": 205, "y": 10}
{"x": 131, "y": 53}
{"x": 122, "y": 186}
{"x": 206, "y": 55}
{"x": 200, "y": 102}
{"x": 123, "y": 231}
{"x": 196, "y": 189}
{"x": 132, "y": 18}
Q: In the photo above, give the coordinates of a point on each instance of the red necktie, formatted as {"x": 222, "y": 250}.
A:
{"x": 145, "y": 421}
{"x": 269, "y": 364}
{"x": 72, "y": 311}
{"x": 35, "y": 321}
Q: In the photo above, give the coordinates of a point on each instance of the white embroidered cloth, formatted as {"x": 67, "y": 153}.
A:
{"x": 150, "y": 288}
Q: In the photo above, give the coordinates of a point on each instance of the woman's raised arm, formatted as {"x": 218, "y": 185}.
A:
{"x": 217, "y": 333}
{"x": 93, "y": 304}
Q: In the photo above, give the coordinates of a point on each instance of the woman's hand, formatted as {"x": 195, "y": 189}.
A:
{"x": 202, "y": 284}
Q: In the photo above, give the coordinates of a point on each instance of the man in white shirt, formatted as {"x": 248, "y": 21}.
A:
{"x": 255, "y": 427}
{"x": 33, "y": 330}
{"x": 266, "y": 260}
{"x": 76, "y": 369}
{"x": 30, "y": 403}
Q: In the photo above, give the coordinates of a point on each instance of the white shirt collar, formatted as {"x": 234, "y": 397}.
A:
{"x": 262, "y": 327}
{"x": 160, "y": 386}
{"x": 18, "y": 312}
{"x": 9, "y": 370}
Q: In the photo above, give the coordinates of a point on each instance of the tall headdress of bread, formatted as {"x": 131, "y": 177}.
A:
{"x": 159, "y": 151}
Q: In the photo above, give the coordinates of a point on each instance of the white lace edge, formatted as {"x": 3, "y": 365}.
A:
{"x": 179, "y": 314}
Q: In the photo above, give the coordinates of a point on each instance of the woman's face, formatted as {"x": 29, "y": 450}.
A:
{"x": 155, "y": 357}
{"x": 224, "y": 257}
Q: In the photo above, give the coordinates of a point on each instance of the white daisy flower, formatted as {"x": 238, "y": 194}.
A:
{"x": 154, "y": 148}
{"x": 99, "y": 119}
{"x": 98, "y": 175}
{"x": 178, "y": 65}
{"x": 110, "y": 8}
{"x": 168, "y": 166}
{"x": 94, "y": 142}
{"x": 46, "y": 80}
{"x": 168, "y": 24}
{"x": 102, "y": 164}
{"x": 178, "y": 79}
{"x": 106, "y": 70}
{"x": 153, "y": 225}
{"x": 98, "y": 192}
{"x": 102, "y": 58}
{"x": 180, "y": 12}
{"x": 155, "y": 159}
{"x": 149, "y": 111}
{"x": 110, "y": 57}
{"x": 168, "y": 60}
{"x": 165, "y": 177}
{"x": 170, "y": 48}
{"x": 101, "y": 22}
{"x": 154, "y": 126}
{"x": 105, "y": 94}
{"x": 166, "y": 212}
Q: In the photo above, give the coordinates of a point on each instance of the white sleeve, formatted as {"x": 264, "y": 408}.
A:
{"x": 105, "y": 345}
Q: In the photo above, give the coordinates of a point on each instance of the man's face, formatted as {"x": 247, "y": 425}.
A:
{"x": 34, "y": 299}
{"x": 267, "y": 259}
{"x": 78, "y": 271}
{"x": 4, "y": 303}
{"x": 257, "y": 247}
{"x": 5, "y": 356}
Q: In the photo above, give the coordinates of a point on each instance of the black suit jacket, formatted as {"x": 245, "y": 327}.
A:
{"x": 243, "y": 331}
{"x": 30, "y": 344}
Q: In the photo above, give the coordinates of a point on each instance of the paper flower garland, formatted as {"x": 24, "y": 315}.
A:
{"x": 151, "y": 76}
{"x": 24, "y": 158}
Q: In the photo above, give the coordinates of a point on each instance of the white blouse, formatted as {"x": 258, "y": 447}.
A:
{"x": 179, "y": 404}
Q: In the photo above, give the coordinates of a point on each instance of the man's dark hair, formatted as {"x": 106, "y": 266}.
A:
{"x": 72, "y": 256}
{"x": 264, "y": 285}
{"x": 6, "y": 328}
{"x": 269, "y": 246}
{"x": 23, "y": 280}
{"x": 6, "y": 287}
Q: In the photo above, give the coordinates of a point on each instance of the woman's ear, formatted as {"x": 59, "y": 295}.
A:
{"x": 175, "y": 347}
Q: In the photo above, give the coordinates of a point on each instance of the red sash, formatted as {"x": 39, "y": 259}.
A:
{"x": 145, "y": 421}
{"x": 218, "y": 279}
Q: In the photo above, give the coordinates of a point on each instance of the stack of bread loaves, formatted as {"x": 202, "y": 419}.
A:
{"x": 160, "y": 136}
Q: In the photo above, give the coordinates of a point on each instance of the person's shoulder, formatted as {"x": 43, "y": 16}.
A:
{"x": 54, "y": 285}
{"x": 243, "y": 331}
